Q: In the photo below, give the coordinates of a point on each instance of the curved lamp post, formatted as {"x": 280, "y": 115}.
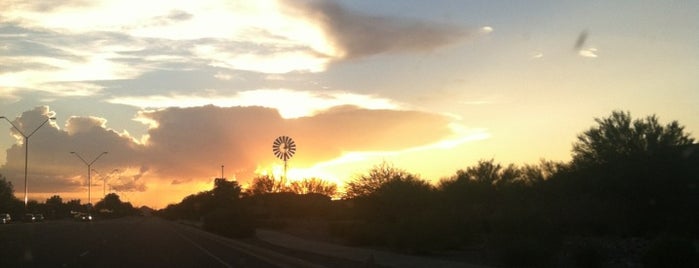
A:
{"x": 89, "y": 179}
{"x": 26, "y": 150}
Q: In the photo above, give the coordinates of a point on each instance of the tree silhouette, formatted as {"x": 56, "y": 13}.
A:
{"x": 8, "y": 201}
{"x": 264, "y": 185}
{"x": 225, "y": 192}
{"x": 55, "y": 208}
{"x": 618, "y": 136}
{"x": 367, "y": 184}
{"x": 114, "y": 207}
{"x": 313, "y": 186}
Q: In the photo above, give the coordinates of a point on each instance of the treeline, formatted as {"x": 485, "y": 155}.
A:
{"x": 55, "y": 208}
{"x": 228, "y": 210}
{"x": 629, "y": 195}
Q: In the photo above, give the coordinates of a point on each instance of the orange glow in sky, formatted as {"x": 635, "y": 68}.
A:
{"x": 175, "y": 89}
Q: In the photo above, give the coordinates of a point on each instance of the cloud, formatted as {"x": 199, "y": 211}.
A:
{"x": 187, "y": 145}
{"x": 174, "y": 16}
{"x": 536, "y": 55}
{"x": 286, "y": 101}
{"x": 41, "y": 6}
{"x": 588, "y": 53}
{"x": 61, "y": 62}
{"x": 359, "y": 35}
{"x": 51, "y": 166}
{"x": 44, "y": 45}
{"x": 486, "y": 29}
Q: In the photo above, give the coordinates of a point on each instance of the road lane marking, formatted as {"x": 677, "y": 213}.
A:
{"x": 203, "y": 250}
{"x": 268, "y": 256}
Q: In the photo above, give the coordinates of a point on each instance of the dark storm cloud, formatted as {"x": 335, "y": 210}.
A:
{"x": 360, "y": 35}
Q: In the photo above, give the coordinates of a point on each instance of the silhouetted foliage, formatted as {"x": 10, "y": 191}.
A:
{"x": 289, "y": 205}
{"x": 8, "y": 202}
{"x": 225, "y": 192}
{"x": 111, "y": 206}
{"x": 366, "y": 184}
{"x": 620, "y": 137}
{"x": 219, "y": 210}
{"x": 631, "y": 189}
{"x": 635, "y": 175}
{"x": 264, "y": 185}
{"x": 313, "y": 186}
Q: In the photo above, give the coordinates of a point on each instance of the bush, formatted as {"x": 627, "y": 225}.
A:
{"x": 230, "y": 222}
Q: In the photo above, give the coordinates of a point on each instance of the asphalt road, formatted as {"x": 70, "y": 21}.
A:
{"x": 126, "y": 242}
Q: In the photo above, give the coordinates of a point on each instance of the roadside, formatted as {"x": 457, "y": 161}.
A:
{"x": 363, "y": 255}
{"x": 336, "y": 255}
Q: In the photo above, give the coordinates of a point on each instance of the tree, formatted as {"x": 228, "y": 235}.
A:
{"x": 55, "y": 208}
{"x": 225, "y": 192}
{"x": 619, "y": 137}
{"x": 8, "y": 201}
{"x": 535, "y": 174}
{"x": 74, "y": 205}
{"x": 313, "y": 185}
{"x": 264, "y": 185}
{"x": 636, "y": 173}
{"x": 112, "y": 206}
{"x": 55, "y": 200}
{"x": 367, "y": 184}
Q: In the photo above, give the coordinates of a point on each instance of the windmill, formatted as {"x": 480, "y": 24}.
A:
{"x": 284, "y": 148}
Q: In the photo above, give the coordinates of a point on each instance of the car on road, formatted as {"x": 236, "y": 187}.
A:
{"x": 5, "y": 218}
{"x": 38, "y": 217}
{"x": 83, "y": 217}
{"x": 28, "y": 218}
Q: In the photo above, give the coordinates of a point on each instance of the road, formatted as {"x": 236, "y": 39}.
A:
{"x": 126, "y": 242}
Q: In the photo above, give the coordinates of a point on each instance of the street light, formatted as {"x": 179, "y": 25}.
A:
{"x": 89, "y": 178}
{"x": 104, "y": 180}
{"x": 26, "y": 151}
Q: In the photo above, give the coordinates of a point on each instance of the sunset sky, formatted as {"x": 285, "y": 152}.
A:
{"x": 175, "y": 89}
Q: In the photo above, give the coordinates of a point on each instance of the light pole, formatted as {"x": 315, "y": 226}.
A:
{"x": 26, "y": 150}
{"x": 89, "y": 178}
{"x": 104, "y": 180}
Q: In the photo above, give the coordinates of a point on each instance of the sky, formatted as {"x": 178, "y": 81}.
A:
{"x": 174, "y": 90}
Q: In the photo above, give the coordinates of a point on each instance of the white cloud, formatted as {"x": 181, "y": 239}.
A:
{"x": 588, "y": 53}
{"x": 536, "y": 55}
{"x": 277, "y": 62}
{"x": 289, "y": 103}
{"x": 486, "y": 29}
